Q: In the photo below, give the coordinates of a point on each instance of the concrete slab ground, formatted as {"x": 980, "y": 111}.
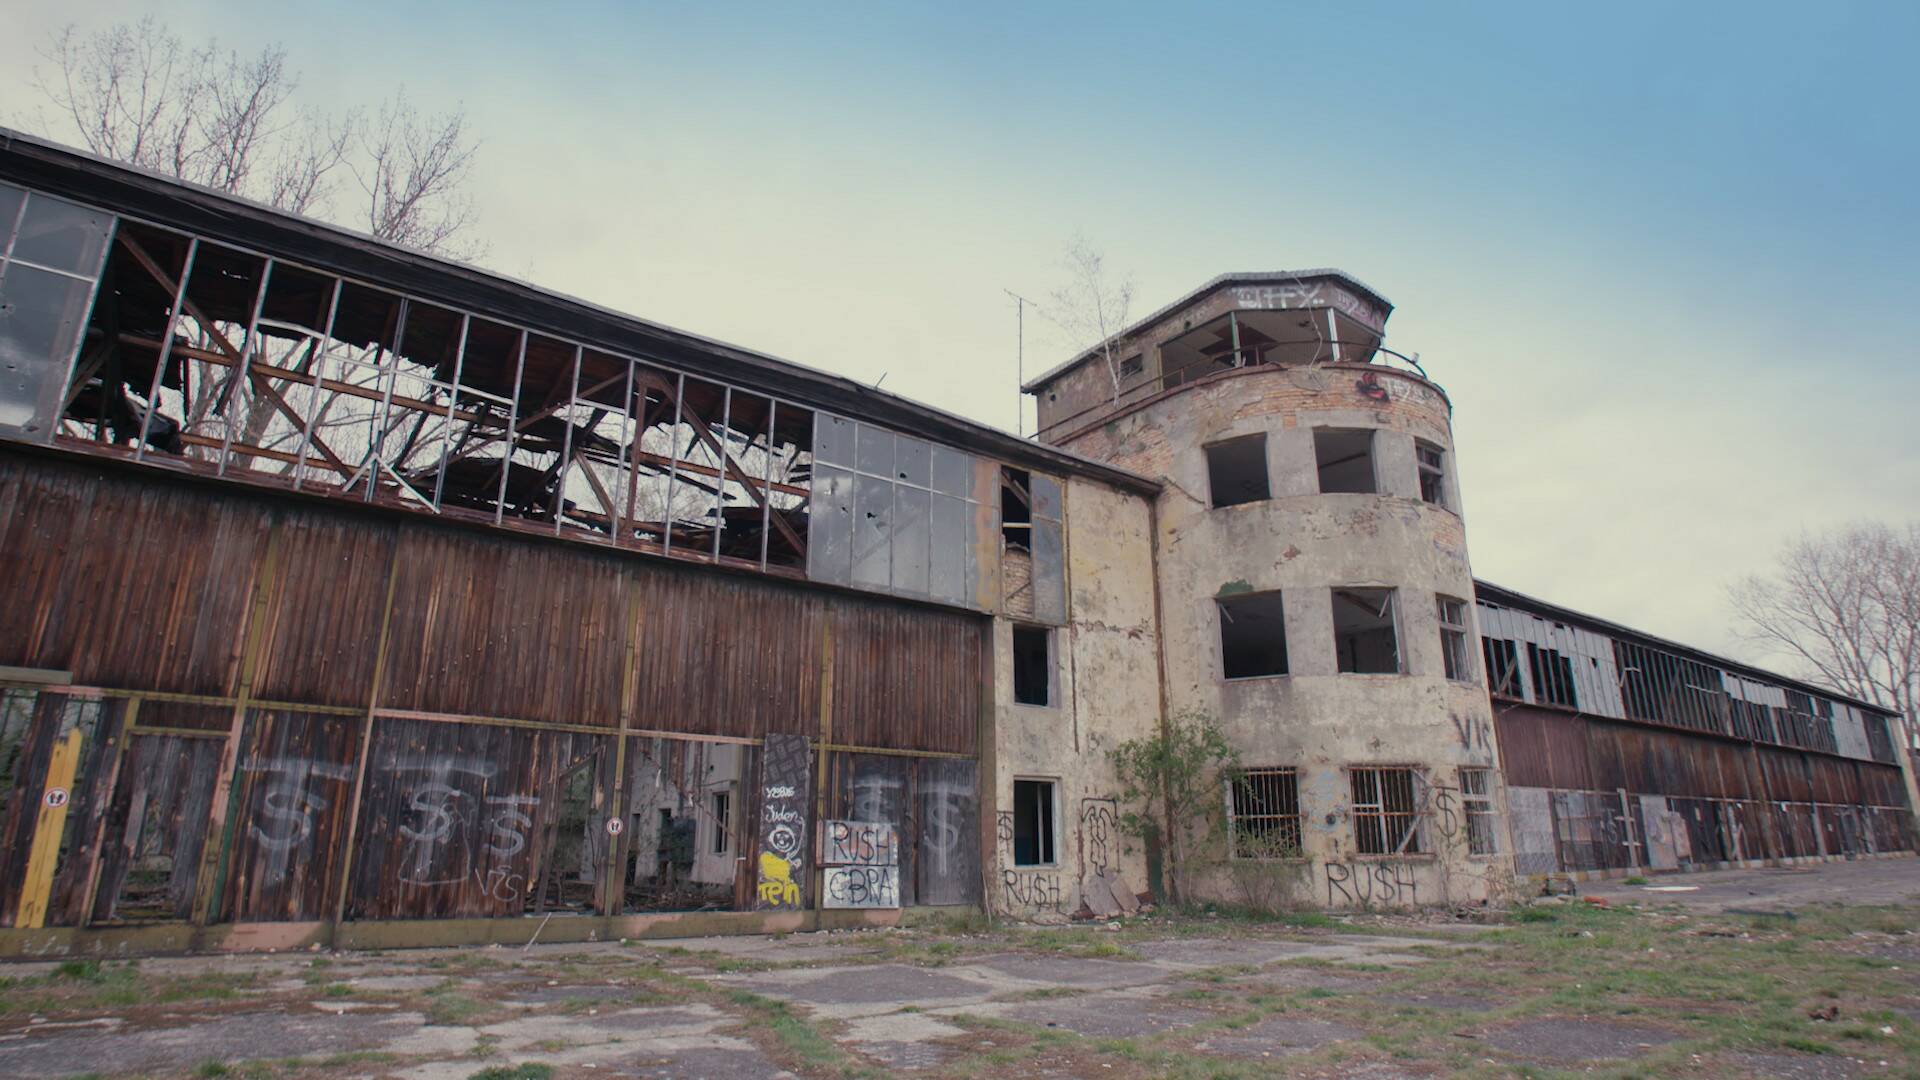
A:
{"x": 1655, "y": 990}
{"x": 1894, "y": 880}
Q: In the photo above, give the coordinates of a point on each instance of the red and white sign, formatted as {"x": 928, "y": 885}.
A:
{"x": 614, "y": 825}
{"x": 56, "y": 797}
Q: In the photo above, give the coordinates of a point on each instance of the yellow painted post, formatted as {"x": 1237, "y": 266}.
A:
{"x": 49, "y": 829}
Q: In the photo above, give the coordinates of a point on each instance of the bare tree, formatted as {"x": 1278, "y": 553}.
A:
{"x": 1092, "y": 306}
{"x": 137, "y": 93}
{"x": 1846, "y": 604}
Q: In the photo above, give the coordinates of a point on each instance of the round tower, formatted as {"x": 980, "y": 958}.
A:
{"x": 1316, "y": 595}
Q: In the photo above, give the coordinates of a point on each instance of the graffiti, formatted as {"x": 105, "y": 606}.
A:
{"x": 858, "y": 843}
{"x": 1097, "y": 818}
{"x": 1371, "y": 883}
{"x": 444, "y": 808}
{"x": 500, "y": 883}
{"x": 509, "y": 824}
{"x": 1302, "y": 293}
{"x": 1446, "y": 812}
{"x": 1369, "y": 386}
{"x": 862, "y": 886}
{"x": 287, "y": 806}
{"x": 1035, "y": 890}
{"x": 783, "y": 822}
{"x": 1474, "y": 732}
{"x": 940, "y": 830}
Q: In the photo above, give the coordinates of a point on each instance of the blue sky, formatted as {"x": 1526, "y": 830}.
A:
{"x": 1662, "y": 259}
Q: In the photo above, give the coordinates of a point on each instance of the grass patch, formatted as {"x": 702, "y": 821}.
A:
{"x": 531, "y": 1070}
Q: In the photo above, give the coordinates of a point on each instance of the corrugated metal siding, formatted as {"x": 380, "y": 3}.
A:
{"x": 903, "y": 678}
{"x": 728, "y": 657}
{"x": 123, "y": 584}
{"x": 323, "y": 609}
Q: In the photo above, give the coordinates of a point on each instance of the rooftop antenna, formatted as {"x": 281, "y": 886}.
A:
{"x": 1020, "y": 361}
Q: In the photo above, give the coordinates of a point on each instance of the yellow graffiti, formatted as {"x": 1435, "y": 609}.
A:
{"x": 776, "y": 881}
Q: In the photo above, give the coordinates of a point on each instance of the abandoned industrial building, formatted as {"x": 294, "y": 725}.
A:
{"x": 359, "y": 597}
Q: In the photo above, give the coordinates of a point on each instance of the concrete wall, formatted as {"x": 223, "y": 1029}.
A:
{"x": 1305, "y": 544}
{"x": 1106, "y": 680}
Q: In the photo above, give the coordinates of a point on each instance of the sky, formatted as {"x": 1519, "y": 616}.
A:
{"x": 1661, "y": 257}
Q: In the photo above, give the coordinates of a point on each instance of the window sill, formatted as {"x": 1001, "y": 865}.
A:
{"x": 1375, "y": 674}
{"x": 1052, "y": 866}
{"x": 1255, "y": 678}
{"x": 1411, "y": 856}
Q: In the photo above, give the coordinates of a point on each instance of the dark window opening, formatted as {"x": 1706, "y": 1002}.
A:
{"x": 1016, "y": 509}
{"x": 1033, "y": 841}
{"x": 1344, "y": 460}
{"x": 1552, "y": 677}
{"x": 1384, "y": 818}
{"x": 1132, "y": 365}
{"x": 1363, "y": 632}
{"x": 1237, "y": 470}
{"x": 1476, "y": 802}
{"x": 1264, "y": 817}
{"x": 1503, "y": 666}
{"x": 722, "y": 823}
{"x": 1253, "y": 635}
{"x": 1032, "y": 665}
{"x": 1453, "y": 638}
{"x": 1433, "y": 473}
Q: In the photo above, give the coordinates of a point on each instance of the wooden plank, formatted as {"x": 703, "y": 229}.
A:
{"x": 48, "y": 830}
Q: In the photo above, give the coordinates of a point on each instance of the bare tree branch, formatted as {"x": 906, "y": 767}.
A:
{"x": 1092, "y": 306}
{"x": 1846, "y": 605}
{"x": 414, "y": 170}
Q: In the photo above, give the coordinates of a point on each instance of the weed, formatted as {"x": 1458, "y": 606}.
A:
{"x": 531, "y": 1070}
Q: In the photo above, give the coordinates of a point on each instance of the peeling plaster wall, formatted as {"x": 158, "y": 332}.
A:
{"x": 1106, "y": 679}
{"x": 1305, "y": 544}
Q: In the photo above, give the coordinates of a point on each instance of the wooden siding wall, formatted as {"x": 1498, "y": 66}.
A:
{"x": 448, "y": 682}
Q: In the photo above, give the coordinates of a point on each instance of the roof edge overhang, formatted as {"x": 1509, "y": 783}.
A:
{"x": 167, "y": 201}
{"x": 1034, "y": 384}
{"x": 1521, "y": 601}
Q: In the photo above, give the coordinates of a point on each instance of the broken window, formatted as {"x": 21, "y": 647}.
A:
{"x": 892, "y": 513}
{"x": 721, "y": 809}
{"x": 1263, "y": 816}
{"x": 1476, "y": 804}
{"x": 1237, "y": 470}
{"x": 50, "y": 254}
{"x": 1503, "y": 666}
{"x": 1131, "y": 366}
{"x": 1364, "y": 635}
{"x": 1032, "y": 665}
{"x": 1344, "y": 459}
{"x": 1253, "y": 635}
{"x": 1032, "y": 545}
{"x": 1552, "y": 677}
{"x": 1453, "y": 638}
{"x": 1433, "y": 472}
{"x": 1384, "y": 816}
{"x": 1033, "y": 823}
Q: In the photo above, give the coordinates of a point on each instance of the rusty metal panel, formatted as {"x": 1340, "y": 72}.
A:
{"x": 294, "y": 784}
{"x": 454, "y": 818}
{"x": 157, "y": 829}
{"x": 486, "y": 626}
{"x": 324, "y": 608}
{"x": 124, "y": 583}
{"x": 727, "y": 656}
{"x": 906, "y": 678}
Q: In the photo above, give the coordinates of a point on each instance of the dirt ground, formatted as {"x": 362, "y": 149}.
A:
{"x": 1760, "y": 973}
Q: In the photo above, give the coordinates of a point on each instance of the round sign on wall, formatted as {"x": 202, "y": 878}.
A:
{"x": 614, "y": 825}
{"x": 56, "y": 797}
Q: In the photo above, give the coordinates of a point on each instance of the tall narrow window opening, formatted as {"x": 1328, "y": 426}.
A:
{"x": 1364, "y": 635}
{"x": 1453, "y": 638}
{"x": 1552, "y": 677}
{"x": 722, "y": 802}
{"x": 1503, "y": 666}
{"x": 1433, "y": 472}
{"x": 1476, "y": 804}
{"x": 1033, "y": 823}
{"x": 1032, "y": 665}
{"x": 1345, "y": 460}
{"x": 1253, "y": 635}
{"x": 1237, "y": 470}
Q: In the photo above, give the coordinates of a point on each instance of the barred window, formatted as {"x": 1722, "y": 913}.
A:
{"x": 1384, "y": 819}
{"x": 1263, "y": 819}
{"x": 1476, "y": 802}
{"x": 1453, "y": 638}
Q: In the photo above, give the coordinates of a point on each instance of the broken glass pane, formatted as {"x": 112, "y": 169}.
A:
{"x": 911, "y": 462}
{"x": 911, "y": 511}
{"x": 10, "y": 199}
{"x": 830, "y": 526}
{"x": 872, "y": 532}
{"x": 40, "y": 319}
{"x": 61, "y": 236}
{"x": 833, "y": 439}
